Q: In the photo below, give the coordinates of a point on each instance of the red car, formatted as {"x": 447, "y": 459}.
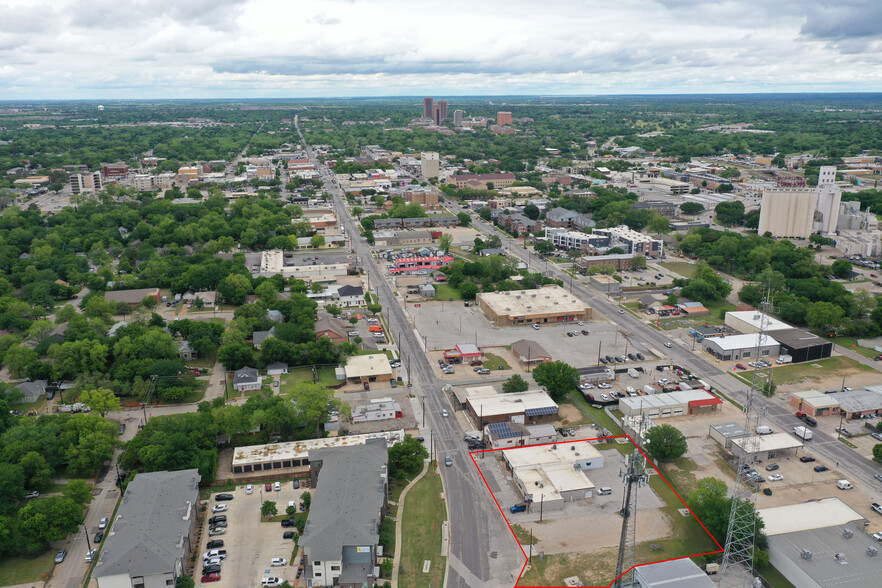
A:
{"x": 740, "y": 366}
{"x": 212, "y": 577}
{"x": 268, "y": 487}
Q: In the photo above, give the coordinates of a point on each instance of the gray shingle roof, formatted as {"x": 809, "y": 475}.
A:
{"x": 152, "y": 526}
{"x": 348, "y": 498}
{"x": 246, "y": 375}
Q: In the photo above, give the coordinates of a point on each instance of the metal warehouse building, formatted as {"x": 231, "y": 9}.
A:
{"x": 802, "y": 345}
{"x": 672, "y": 404}
{"x": 740, "y": 347}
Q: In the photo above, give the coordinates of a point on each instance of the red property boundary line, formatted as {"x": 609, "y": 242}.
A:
{"x": 526, "y": 559}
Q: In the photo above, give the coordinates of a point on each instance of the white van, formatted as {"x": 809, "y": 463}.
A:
{"x": 844, "y": 485}
{"x": 604, "y": 491}
{"x": 763, "y": 430}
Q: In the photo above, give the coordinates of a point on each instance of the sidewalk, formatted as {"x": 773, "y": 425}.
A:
{"x": 397, "y": 560}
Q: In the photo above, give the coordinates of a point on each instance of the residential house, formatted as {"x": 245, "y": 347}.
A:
{"x": 350, "y": 296}
{"x": 520, "y": 223}
{"x": 247, "y": 379}
{"x": 275, "y": 316}
{"x": 258, "y": 337}
{"x": 185, "y": 350}
{"x": 132, "y": 297}
{"x": 153, "y": 533}
{"x": 567, "y": 219}
{"x": 332, "y": 328}
{"x": 31, "y": 391}
{"x": 277, "y": 368}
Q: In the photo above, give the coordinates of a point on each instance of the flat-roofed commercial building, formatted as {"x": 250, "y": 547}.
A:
{"x": 549, "y": 304}
{"x": 802, "y": 345}
{"x": 632, "y": 241}
{"x": 763, "y": 447}
{"x": 670, "y": 405}
{"x": 815, "y": 403}
{"x": 820, "y": 544}
{"x": 276, "y": 261}
{"x": 369, "y": 368}
{"x": 748, "y": 321}
{"x": 724, "y": 433}
{"x": 553, "y": 474}
{"x": 528, "y": 408}
{"x": 736, "y": 347}
{"x": 279, "y": 460}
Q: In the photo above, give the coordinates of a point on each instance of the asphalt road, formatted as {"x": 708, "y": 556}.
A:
{"x": 482, "y": 550}
{"x": 825, "y": 446}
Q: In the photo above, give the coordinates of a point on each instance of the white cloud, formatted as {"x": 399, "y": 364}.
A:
{"x": 252, "y": 48}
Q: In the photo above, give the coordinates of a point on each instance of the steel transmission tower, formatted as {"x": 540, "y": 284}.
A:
{"x": 736, "y": 570}
{"x": 633, "y": 475}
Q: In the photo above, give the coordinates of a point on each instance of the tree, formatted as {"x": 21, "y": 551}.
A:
{"x": 185, "y": 582}
{"x": 36, "y": 470}
{"x": 515, "y": 384}
{"x": 406, "y": 458}
{"x": 317, "y": 241}
{"x": 638, "y": 261}
{"x": 236, "y": 356}
{"x": 234, "y": 288}
{"x": 665, "y": 442}
{"x": 841, "y": 269}
{"x": 464, "y": 219}
{"x": 12, "y": 487}
{"x": 729, "y": 213}
{"x": 658, "y": 224}
{"x": 486, "y": 213}
{"x": 444, "y": 242}
{"x": 544, "y": 247}
{"x": 712, "y": 507}
{"x": 78, "y": 491}
{"x": 101, "y": 400}
{"x": 468, "y": 290}
{"x": 691, "y": 208}
{"x": 557, "y": 377}
{"x": 51, "y": 518}
{"x": 824, "y": 315}
{"x": 531, "y": 211}
{"x": 268, "y": 509}
{"x": 306, "y": 499}
{"x": 877, "y": 453}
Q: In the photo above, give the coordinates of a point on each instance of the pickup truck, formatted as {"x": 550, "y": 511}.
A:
{"x": 876, "y": 506}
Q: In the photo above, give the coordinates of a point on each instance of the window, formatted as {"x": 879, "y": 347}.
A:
{"x": 169, "y": 582}
{"x": 765, "y": 351}
{"x": 335, "y": 568}
{"x": 745, "y": 354}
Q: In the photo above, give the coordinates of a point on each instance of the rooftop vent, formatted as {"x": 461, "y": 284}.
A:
{"x": 847, "y": 533}
{"x": 872, "y": 551}
{"x": 806, "y": 554}
{"x": 840, "y": 557}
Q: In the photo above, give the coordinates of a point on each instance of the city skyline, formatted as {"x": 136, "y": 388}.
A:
{"x": 343, "y": 48}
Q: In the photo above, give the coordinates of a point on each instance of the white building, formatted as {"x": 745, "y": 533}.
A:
{"x": 567, "y": 239}
{"x": 799, "y": 212}
{"x": 430, "y": 164}
{"x": 822, "y": 543}
{"x": 632, "y": 241}
{"x": 670, "y": 405}
{"x": 553, "y": 474}
{"x": 380, "y": 409}
{"x": 748, "y": 321}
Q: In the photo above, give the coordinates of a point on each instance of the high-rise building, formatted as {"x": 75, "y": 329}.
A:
{"x": 457, "y": 118}
{"x": 430, "y": 164}
{"x": 442, "y": 105}
{"x": 503, "y": 118}
{"x": 428, "y": 112}
{"x": 436, "y": 114}
{"x": 85, "y": 183}
{"x": 799, "y": 212}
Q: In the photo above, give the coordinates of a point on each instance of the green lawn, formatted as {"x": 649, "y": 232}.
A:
{"x": 687, "y": 270}
{"x": 832, "y": 366}
{"x": 20, "y": 570}
{"x": 296, "y": 376}
{"x": 494, "y": 362}
{"x": 596, "y": 415}
{"x": 421, "y": 520}
{"x": 446, "y": 292}
{"x": 851, "y": 343}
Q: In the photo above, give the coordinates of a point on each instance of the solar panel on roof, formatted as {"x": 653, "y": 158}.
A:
{"x": 502, "y": 431}
{"x": 541, "y": 411}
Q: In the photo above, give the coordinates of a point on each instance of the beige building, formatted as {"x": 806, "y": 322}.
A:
{"x": 801, "y": 212}
{"x": 368, "y": 368}
{"x": 430, "y": 164}
{"x": 549, "y": 304}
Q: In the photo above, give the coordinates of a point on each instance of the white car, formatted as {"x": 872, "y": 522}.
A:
{"x": 277, "y": 486}
{"x": 219, "y": 508}
{"x": 214, "y": 553}
{"x": 604, "y": 397}
{"x": 91, "y": 555}
{"x": 211, "y": 561}
{"x": 278, "y": 561}
{"x": 270, "y": 582}
{"x": 776, "y": 478}
{"x": 536, "y": 326}
{"x": 444, "y": 412}
{"x": 102, "y": 524}
{"x": 621, "y": 311}
{"x": 249, "y": 489}
{"x": 668, "y": 345}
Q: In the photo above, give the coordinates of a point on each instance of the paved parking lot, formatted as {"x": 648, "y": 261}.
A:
{"x": 250, "y": 544}
{"x": 444, "y": 324}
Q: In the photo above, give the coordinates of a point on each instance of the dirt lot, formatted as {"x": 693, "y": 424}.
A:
{"x": 399, "y": 395}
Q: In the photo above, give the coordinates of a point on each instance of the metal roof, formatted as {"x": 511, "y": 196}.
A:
{"x": 682, "y": 573}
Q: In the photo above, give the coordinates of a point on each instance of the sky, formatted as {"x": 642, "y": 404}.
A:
{"x": 93, "y": 49}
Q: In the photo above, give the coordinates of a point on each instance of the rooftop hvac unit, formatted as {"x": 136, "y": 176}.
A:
{"x": 572, "y": 447}
{"x": 840, "y": 557}
{"x": 577, "y": 466}
{"x": 554, "y": 446}
{"x": 872, "y": 551}
{"x": 847, "y": 533}
{"x": 806, "y": 554}
{"x": 532, "y": 296}
{"x": 518, "y": 296}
